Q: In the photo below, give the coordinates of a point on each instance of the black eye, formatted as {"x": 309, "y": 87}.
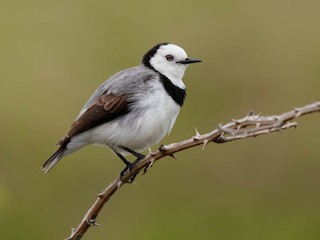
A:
{"x": 169, "y": 57}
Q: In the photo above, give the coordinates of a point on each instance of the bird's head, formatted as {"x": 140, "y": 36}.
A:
{"x": 169, "y": 60}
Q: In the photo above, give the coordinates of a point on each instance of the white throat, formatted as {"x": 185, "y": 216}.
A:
{"x": 174, "y": 76}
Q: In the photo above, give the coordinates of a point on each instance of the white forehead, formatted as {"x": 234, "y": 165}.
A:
{"x": 172, "y": 49}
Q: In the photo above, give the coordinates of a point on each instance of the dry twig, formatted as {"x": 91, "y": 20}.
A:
{"x": 249, "y": 126}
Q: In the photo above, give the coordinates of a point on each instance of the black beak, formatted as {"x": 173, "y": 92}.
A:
{"x": 189, "y": 60}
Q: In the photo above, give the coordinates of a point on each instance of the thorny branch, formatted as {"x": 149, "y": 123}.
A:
{"x": 250, "y": 126}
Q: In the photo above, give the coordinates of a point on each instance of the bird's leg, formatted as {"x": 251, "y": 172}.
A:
{"x": 128, "y": 164}
{"x": 125, "y": 161}
{"x": 138, "y": 155}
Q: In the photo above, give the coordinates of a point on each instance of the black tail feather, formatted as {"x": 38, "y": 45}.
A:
{"x": 53, "y": 160}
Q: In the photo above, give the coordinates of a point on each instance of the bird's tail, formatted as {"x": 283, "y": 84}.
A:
{"x": 53, "y": 160}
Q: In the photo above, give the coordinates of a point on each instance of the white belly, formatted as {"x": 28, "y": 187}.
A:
{"x": 145, "y": 125}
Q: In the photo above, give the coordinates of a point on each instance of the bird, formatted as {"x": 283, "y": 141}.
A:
{"x": 133, "y": 109}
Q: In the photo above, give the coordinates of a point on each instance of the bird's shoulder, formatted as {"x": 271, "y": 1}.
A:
{"x": 126, "y": 81}
{"x": 130, "y": 78}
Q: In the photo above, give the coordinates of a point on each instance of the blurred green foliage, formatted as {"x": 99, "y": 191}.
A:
{"x": 261, "y": 55}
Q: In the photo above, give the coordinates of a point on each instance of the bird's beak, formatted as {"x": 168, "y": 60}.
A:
{"x": 189, "y": 60}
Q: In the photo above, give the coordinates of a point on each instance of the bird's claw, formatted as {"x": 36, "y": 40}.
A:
{"x": 130, "y": 167}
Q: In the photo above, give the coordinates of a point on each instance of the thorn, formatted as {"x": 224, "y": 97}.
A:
{"x": 100, "y": 195}
{"x": 236, "y": 121}
{"x": 151, "y": 153}
{"x": 119, "y": 183}
{"x": 152, "y": 162}
{"x": 197, "y": 136}
{"x": 197, "y": 133}
{"x": 205, "y": 143}
{"x": 97, "y": 224}
{"x": 220, "y": 127}
{"x": 73, "y": 230}
{"x": 223, "y": 129}
{"x": 297, "y": 111}
{"x": 173, "y": 156}
{"x": 147, "y": 167}
{"x": 219, "y": 139}
{"x": 92, "y": 222}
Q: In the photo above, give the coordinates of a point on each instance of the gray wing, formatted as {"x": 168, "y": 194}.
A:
{"x": 111, "y": 100}
{"x": 128, "y": 82}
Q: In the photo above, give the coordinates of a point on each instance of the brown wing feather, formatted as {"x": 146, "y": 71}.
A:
{"x": 106, "y": 108}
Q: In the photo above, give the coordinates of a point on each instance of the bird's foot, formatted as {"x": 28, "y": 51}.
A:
{"x": 130, "y": 166}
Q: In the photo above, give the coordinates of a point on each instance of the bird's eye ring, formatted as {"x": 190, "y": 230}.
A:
{"x": 169, "y": 57}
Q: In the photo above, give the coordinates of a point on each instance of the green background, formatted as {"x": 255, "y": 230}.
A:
{"x": 260, "y": 55}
